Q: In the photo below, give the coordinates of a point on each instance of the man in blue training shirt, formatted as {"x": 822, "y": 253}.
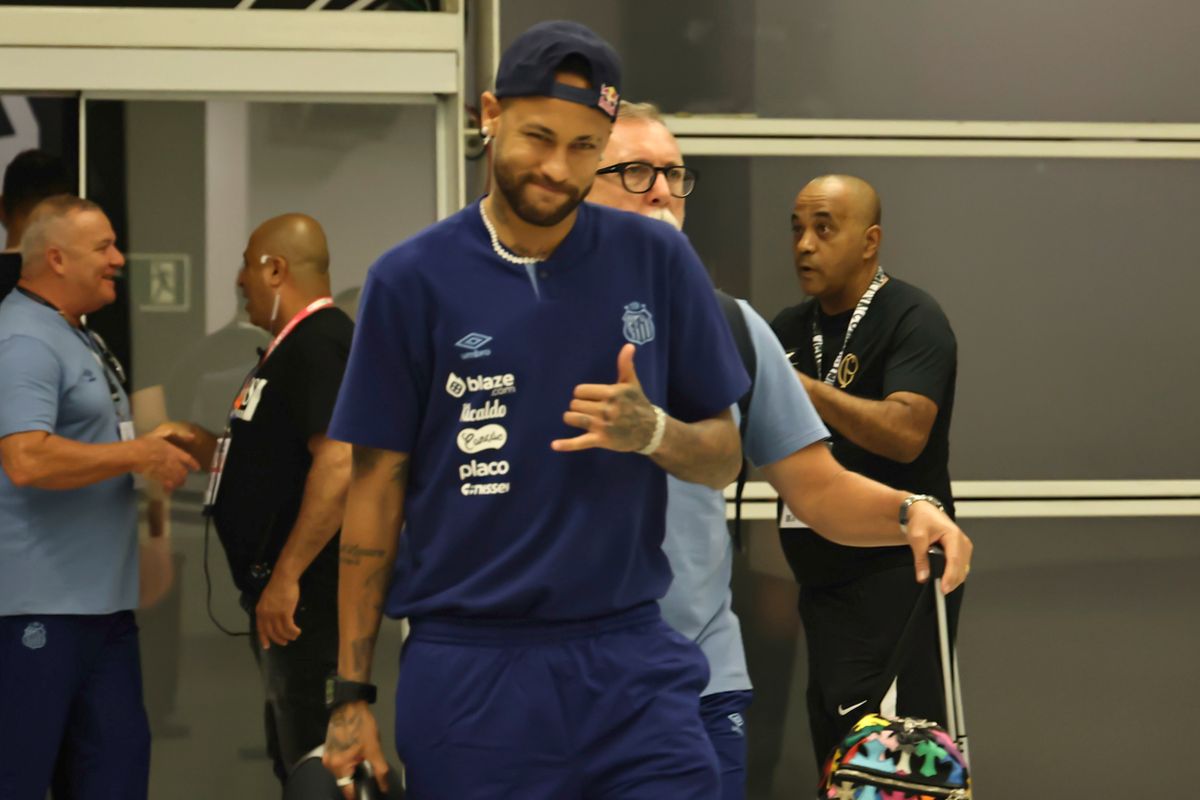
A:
{"x": 71, "y": 711}
{"x": 531, "y": 563}
{"x": 644, "y": 173}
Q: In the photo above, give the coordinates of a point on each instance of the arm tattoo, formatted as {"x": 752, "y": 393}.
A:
{"x": 633, "y": 424}
{"x": 344, "y": 727}
{"x": 364, "y": 653}
{"x": 353, "y": 554}
{"x": 364, "y": 458}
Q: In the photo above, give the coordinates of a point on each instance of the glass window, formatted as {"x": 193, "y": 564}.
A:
{"x": 186, "y": 182}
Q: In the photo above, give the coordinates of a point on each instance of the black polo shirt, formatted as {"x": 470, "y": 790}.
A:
{"x": 10, "y": 272}
{"x": 262, "y": 484}
{"x": 903, "y": 344}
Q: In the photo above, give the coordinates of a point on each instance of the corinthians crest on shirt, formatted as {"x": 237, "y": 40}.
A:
{"x": 637, "y": 324}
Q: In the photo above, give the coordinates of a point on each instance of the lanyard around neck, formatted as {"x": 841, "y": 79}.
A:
{"x": 860, "y": 311}
{"x": 303, "y": 314}
{"x": 109, "y": 365}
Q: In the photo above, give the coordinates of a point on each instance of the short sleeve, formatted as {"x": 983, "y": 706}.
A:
{"x": 782, "y": 419}
{"x": 382, "y": 397}
{"x": 922, "y": 356}
{"x": 30, "y": 388}
{"x": 321, "y": 369}
{"x": 705, "y": 374}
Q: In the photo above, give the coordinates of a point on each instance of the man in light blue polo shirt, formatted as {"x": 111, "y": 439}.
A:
{"x": 71, "y": 712}
{"x": 643, "y": 171}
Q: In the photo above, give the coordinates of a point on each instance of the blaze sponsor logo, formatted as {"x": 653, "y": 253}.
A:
{"x": 482, "y": 469}
{"x": 505, "y": 383}
{"x": 492, "y": 409}
{"x": 489, "y": 437}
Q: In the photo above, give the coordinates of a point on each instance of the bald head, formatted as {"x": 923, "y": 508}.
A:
{"x": 835, "y": 239}
{"x": 297, "y": 238}
{"x": 285, "y": 267}
{"x": 856, "y": 196}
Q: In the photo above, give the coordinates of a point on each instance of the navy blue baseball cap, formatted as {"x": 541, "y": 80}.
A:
{"x": 528, "y": 65}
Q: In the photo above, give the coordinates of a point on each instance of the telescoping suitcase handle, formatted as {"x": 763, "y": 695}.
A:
{"x": 956, "y": 723}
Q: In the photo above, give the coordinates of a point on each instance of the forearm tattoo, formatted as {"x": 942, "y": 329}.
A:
{"x": 352, "y": 555}
{"x": 344, "y": 727}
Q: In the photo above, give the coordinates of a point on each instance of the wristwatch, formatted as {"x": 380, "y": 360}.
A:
{"x": 339, "y": 691}
{"x": 916, "y": 498}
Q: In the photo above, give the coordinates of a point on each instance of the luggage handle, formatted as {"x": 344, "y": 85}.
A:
{"x": 955, "y": 721}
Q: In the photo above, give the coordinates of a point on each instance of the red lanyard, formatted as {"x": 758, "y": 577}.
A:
{"x": 307, "y": 311}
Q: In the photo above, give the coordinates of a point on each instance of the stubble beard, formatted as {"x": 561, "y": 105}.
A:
{"x": 512, "y": 187}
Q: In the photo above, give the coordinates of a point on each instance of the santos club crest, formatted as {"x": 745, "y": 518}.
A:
{"x": 35, "y": 636}
{"x": 638, "y": 324}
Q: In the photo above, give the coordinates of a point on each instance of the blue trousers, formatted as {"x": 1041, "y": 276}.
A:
{"x": 71, "y": 711}
{"x": 725, "y": 721}
{"x": 568, "y": 711}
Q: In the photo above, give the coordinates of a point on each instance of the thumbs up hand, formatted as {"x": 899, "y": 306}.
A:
{"x": 615, "y": 416}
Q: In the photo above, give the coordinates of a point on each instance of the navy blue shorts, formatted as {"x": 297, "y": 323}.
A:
{"x": 71, "y": 711}
{"x": 599, "y": 709}
{"x": 725, "y": 722}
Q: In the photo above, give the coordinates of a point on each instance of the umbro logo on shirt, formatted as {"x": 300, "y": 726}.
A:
{"x": 473, "y": 344}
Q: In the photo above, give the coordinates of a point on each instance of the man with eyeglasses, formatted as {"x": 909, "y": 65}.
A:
{"x": 71, "y": 710}
{"x": 782, "y": 434}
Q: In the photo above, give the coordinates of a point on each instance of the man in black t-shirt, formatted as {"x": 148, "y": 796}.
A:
{"x": 278, "y": 489}
{"x": 878, "y": 359}
{"x": 29, "y": 179}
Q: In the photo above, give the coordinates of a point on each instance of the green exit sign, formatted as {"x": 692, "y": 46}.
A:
{"x": 160, "y": 281}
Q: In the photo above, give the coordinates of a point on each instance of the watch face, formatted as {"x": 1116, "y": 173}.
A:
{"x": 330, "y": 684}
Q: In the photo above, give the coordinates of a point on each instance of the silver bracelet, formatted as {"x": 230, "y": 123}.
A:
{"x": 660, "y": 427}
{"x": 908, "y": 502}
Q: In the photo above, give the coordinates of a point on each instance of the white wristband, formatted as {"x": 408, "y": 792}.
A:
{"x": 660, "y": 427}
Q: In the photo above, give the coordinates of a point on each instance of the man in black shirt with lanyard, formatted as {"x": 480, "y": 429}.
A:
{"x": 278, "y": 485}
{"x": 878, "y": 359}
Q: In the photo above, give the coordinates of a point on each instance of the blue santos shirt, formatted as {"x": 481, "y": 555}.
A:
{"x": 781, "y": 421}
{"x": 61, "y": 551}
{"x": 468, "y": 362}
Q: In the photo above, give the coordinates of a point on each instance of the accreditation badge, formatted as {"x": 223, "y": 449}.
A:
{"x": 214, "y": 473}
{"x": 789, "y": 520}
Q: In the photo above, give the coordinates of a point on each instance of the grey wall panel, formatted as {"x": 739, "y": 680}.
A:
{"x": 165, "y": 173}
{"x": 1073, "y": 60}
{"x": 1085, "y": 60}
{"x": 1071, "y": 285}
{"x": 1071, "y": 630}
{"x": 366, "y": 172}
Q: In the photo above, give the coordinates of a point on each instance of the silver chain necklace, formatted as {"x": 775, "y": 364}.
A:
{"x": 499, "y": 248}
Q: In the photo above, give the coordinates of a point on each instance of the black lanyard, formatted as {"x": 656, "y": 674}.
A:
{"x": 109, "y": 364}
{"x": 860, "y": 311}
